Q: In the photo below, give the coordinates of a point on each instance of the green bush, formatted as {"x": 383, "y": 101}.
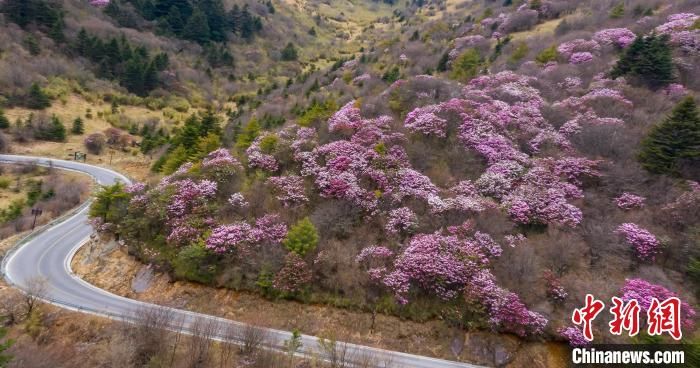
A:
{"x": 547, "y": 55}
{"x": 302, "y": 237}
{"x": 191, "y": 264}
{"x": 467, "y": 66}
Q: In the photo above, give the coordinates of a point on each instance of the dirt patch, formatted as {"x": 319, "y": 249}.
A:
{"x": 109, "y": 267}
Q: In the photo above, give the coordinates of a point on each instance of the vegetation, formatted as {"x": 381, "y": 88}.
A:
{"x": 672, "y": 146}
{"x": 302, "y": 237}
{"x": 649, "y": 59}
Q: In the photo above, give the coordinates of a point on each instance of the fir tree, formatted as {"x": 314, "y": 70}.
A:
{"x": 37, "y": 99}
{"x": 289, "y": 53}
{"x": 197, "y": 28}
{"x": 673, "y": 141}
{"x": 173, "y": 22}
{"x": 82, "y": 43}
{"x": 78, "y": 126}
{"x": 649, "y": 59}
{"x": 209, "y": 124}
{"x": 57, "y": 132}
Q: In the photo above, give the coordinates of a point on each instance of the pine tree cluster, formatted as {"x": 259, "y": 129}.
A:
{"x": 199, "y": 21}
{"x": 649, "y": 59}
{"x": 117, "y": 59}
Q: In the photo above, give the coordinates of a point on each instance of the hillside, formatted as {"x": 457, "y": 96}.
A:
{"x": 485, "y": 164}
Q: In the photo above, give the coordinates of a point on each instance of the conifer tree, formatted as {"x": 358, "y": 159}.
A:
{"x": 197, "y": 28}
{"x": 302, "y": 237}
{"x": 78, "y": 126}
{"x": 673, "y": 141}
{"x": 37, "y": 99}
{"x": 649, "y": 59}
{"x": 289, "y": 52}
{"x": 57, "y": 131}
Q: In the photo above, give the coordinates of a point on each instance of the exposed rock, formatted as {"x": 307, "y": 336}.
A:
{"x": 489, "y": 349}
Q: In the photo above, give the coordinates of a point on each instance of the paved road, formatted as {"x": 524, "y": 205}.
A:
{"x": 47, "y": 254}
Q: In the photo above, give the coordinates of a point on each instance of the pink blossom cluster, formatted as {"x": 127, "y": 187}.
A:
{"x": 567, "y": 49}
{"x": 555, "y": 290}
{"x": 424, "y": 120}
{"x": 240, "y": 236}
{"x": 374, "y": 252}
{"x": 680, "y": 27}
{"x": 134, "y": 188}
{"x": 506, "y": 311}
{"x": 189, "y": 194}
{"x": 628, "y": 201}
{"x": 515, "y": 240}
{"x": 290, "y": 189}
{"x": 580, "y": 57}
{"x": 644, "y": 291}
{"x": 675, "y": 90}
{"x": 686, "y": 203}
{"x": 401, "y": 220}
{"x": 258, "y": 159}
{"x": 347, "y": 118}
{"x": 574, "y": 336}
{"x": 645, "y": 243}
{"x": 677, "y": 22}
{"x": 221, "y": 163}
{"x": 375, "y": 259}
{"x": 620, "y": 37}
{"x": 237, "y": 200}
{"x": 361, "y": 78}
{"x": 99, "y": 3}
{"x": 571, "y": 82}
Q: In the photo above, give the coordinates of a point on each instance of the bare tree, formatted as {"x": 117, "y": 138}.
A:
{"x": 36, "y": 289}
{"x": 203, "y": 330}
{"x": 229, "y": 334}
{"x": 335, "y": 352}
{"x": 11, "y": 306}
{"x": 252, "y": 338}
{"x": 150, "y": 333}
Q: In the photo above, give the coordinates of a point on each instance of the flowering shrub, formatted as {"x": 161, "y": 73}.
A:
{"x": 580, "y": 57}
{"x": 293, "y": 276}
{"x": 423, "y": 120}
{"x": 239, "y": 237}
{"x": 555, "y": 290}
{"x": 620, "y": 37}
{"x": 567, "y": 49}
{"x": 515, "y": 240}
{"x": 401, "y": 220}
{"x": 290, "y": 189}
{"x": 238, "y": 201}
{"x": 221, "y": 163}
{"x": 645, "y": 243}
{"x": 628, "y": 201}
{"x": 347, "y": 118}
{"x": 260, "y": 160}
{"x": 643, "y": 291}
{"x": 574, "y": 336}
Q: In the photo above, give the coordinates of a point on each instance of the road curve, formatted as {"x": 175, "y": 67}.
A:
{"x": 48, "y": 254}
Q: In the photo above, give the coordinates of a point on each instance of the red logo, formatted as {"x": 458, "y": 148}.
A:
{"x": 626, "y": 317}
{"x": 665, "y": 317}
{"x": 587, "y": 314}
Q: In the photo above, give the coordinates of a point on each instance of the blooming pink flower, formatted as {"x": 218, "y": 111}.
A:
{"x": 628, "y": 201}
{"x": 643, "y": 292}
{"x": 645, "y": 243}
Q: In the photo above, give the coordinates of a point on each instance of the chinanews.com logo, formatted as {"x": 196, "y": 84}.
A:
{"x": 663, "y": 317}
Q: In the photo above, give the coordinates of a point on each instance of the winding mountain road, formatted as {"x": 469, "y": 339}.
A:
{"x": 48, "y": 252}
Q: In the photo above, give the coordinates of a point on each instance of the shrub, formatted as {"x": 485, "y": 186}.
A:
{"x": 4, "y": 122}
{"x": 302, "y": 237}
{"x": 467, "y": 65}
{"x": 289, "y": 53}
{"x": 95, "y": 143}
{"x": 547, "y": 55}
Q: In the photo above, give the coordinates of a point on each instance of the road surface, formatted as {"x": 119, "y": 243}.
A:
{"x": 47, "y": 254}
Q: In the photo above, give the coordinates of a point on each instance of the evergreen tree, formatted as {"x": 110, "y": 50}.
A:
{"x": 173, "y": 22}
{"x": 82, "y": 43}
{"x": 289, "y": 53}
{"x": 56, "y": 31}
{"x": 392, "y": 75}
{"x": 78, "y": 126}
{"x": 175, "y": 159}
{"x": 216, "y": 19}
{"x": 302, "y": 237}
{"x": 442, "y": 63}
{"x": 618, "y": 11}
{"x": 467, "y": 65}
{"x": 674, "y": 142}
{"x": 4, "y": 122}
{"x": 57, "y": 132}
{"x": 209, "y": 124}
{"x": 110, "y": 203}
{"x": 32, "y": 45}
{"x": 189, "y": 134}
{"x": 37, "y": 99}
{"x": 197, "y": 28}
{"x": 161, "y": 8}
{"x": 649, "y": 59}
{"x": 248, "y": 134}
